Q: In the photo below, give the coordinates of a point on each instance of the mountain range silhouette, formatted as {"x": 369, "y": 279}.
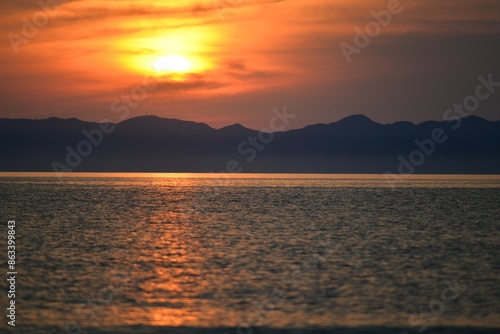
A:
{"x": 355, "y": 144}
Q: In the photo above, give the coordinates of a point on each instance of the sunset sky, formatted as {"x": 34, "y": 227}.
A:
{"x": 229, "y": 61}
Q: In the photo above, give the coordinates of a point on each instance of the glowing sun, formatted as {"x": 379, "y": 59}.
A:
{"x": 172, "y": 63}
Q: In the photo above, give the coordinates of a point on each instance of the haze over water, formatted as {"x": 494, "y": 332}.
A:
{"x": 112, "y": 251}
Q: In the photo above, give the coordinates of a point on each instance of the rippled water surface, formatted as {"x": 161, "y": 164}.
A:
{"x": 280, "y": 251}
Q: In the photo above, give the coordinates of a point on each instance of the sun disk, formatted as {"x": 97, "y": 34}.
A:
{"x": 172, "y": 63}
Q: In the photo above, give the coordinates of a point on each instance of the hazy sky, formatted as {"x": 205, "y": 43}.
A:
{"x": 228, "y": 61}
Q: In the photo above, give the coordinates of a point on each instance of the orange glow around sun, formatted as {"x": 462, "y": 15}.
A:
{"x": 169, "y": 54}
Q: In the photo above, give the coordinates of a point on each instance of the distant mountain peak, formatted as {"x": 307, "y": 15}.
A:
{"x": 234, "y": 128}
{"x": 157, "y": 119}
{"x": 355, "y": 122}
{"x": 356, "y": 119}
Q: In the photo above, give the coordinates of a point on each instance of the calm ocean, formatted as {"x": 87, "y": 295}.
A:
{"x": 250, "y": 253}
